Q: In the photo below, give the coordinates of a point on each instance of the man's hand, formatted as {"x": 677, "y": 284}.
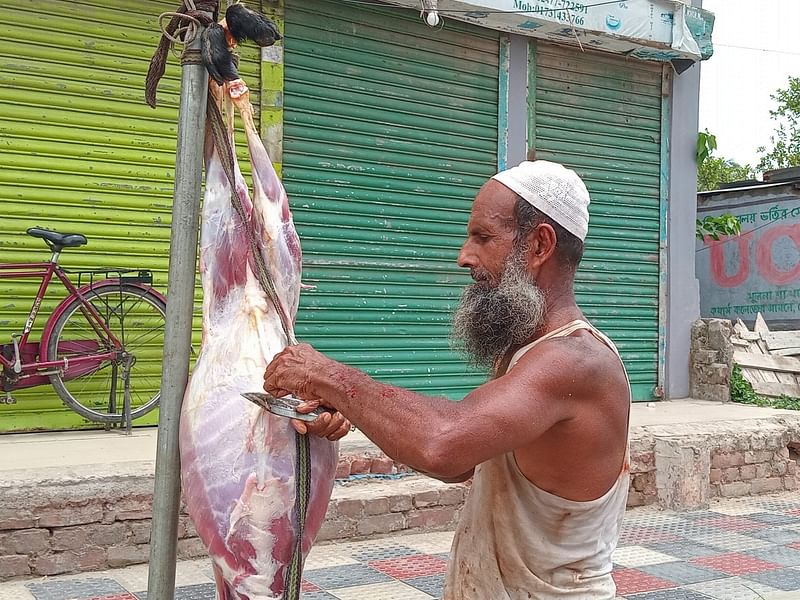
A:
{"x": 291, "y": 370}
{"x": 290, "y": 373}
{"x": 332, "y": 426}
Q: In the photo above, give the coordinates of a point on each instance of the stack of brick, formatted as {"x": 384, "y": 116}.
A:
{"x": 711, "y": 360}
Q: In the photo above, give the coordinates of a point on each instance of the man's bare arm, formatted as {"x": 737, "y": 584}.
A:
{"x": 434, "y": 435}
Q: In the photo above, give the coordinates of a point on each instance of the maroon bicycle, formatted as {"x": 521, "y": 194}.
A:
{"x": 100, "y": 348}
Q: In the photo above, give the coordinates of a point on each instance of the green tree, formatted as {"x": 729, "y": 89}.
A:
{"x": 713, "y": 171}
{"x": 716, "y": 227}
{"x": 785, "y": 151}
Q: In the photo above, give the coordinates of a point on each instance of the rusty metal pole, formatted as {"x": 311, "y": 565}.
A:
{"x": 178, "y": 333}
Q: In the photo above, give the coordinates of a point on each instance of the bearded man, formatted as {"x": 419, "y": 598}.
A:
{"x": 545, "y": 439}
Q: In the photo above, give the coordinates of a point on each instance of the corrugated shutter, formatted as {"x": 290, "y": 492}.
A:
{"x": 81, "y": 151}
{"x": 601, "y": 115}
{"x": 390, "y": 130}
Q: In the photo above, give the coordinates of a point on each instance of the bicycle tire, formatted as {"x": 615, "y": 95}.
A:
{"x": 86, "y": 393}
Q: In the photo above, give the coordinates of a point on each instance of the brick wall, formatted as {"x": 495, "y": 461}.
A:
{"x": 71, "y": 523}
{"x": 740, "y": 472}
{"x": 93, "y": 525}
{"x": 81, "y": 527}
{"x": 686, "y": 466}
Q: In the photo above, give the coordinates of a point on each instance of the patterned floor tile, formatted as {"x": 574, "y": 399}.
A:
{"x": 681, "y": 594}
{"x": 733, "y": 588}
{"x": 381, "y": 552}
{"x": 695, "y": 515}
{"x": 773, "y": 518}
{"x": 781, "y": 555}
{"x": 685, "y": 549}
{"x": 782, "y": 579}
{"x": 729, "y": 541}
{"x": 432, "y": 584}
{"x": 652, "y": 519}
{"x": 14, "y": 591}
{"x": 733, "y": 523}
{"x": 135, "y": 576}
{"x": 738, "y": 509}
{"x": 328, "y": 556}
{"x": 429, "y": 543}
{"x": 684, "y": 529}
{"x": 781, "y": 536}
{"x": 682, "y": 573}
{"x": 735, "y": 563}
{"x": 393, "y": 590}
{"x": 193, "y": 572}
{"x": 633, "y": 581}
{"x": 646, "y": 535}
{"x": 68, "y": 589}
{"x": 792, "y": 527}
{"x": 408, "y": 567}
{"x": 125, "y": 596}
{"x": 784, "y": 504}
{"x": 639, "y": 556}
{"x": 317, "y": 596}
{"x": 331, "y": 578}
{"x": 203, "y": 591}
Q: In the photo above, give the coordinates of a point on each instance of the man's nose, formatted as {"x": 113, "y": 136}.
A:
{"x": 466, "y": 258}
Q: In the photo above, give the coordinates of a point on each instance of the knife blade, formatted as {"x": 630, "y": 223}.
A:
{"x": 285, "y": 406}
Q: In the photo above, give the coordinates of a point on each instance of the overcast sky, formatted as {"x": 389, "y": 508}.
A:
{"x": 736, "y": 83}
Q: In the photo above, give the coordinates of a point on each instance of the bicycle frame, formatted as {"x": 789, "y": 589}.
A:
{"x": 45, "y": 271}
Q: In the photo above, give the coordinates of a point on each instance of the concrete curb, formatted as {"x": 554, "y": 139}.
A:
{"x": 68, "y": 520}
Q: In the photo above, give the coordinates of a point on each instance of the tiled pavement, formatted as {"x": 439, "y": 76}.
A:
{"x": 743, "y": 549}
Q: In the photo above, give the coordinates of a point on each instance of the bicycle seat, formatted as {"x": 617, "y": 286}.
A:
{"x": 58, "y": 240}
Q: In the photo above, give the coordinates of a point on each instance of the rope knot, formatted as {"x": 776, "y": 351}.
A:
{"x": 182, "y": 29}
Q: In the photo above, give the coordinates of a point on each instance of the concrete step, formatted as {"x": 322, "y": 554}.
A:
{"x": 74, "y": 517}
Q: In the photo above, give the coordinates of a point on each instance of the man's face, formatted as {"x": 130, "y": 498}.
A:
{"x": 490, "y": 233}
{"x": 504, "y": 306}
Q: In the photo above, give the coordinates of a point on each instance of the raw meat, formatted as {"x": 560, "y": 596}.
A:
{"x": 238, "y": 461}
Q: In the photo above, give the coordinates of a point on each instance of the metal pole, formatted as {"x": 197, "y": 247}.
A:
{"x": 178, "y": 332}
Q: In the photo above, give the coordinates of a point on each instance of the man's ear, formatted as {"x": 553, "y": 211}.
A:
{"x": 542, "y": 242}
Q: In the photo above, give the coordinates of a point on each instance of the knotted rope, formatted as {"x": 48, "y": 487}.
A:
{"x": 181, "y": 29}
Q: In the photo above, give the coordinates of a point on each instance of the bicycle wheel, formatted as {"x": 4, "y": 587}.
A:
{"x": 136, "y": 317}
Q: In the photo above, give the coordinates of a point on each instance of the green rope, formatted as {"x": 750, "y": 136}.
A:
{"x": 294, "y": 574}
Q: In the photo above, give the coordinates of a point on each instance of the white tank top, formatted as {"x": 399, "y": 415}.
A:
{"x": 516, "y": 541}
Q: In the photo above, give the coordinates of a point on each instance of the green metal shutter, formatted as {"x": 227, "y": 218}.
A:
{"x": 390, "y": 130}
{"x": 81, "y": 151}
{"x": 602, "y": 116}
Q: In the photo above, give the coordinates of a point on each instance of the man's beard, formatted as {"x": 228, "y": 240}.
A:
{"x": 489, "y": 320}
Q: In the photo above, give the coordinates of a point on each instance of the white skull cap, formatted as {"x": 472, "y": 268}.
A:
{"x": 553, "y": 189}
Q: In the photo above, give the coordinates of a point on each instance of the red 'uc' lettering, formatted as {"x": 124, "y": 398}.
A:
{"x": 766, "y": 265}
{"x": 717, "y": 250}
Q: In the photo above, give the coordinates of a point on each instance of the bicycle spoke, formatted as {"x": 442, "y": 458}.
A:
{"x": 135, "y": 304}
{"x": 156, "y": 332}
{"x": 136, "y": 319}
{"x": 88, "y": 383}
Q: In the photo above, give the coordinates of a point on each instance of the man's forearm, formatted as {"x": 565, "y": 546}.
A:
{"x": 376, "y": 409}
